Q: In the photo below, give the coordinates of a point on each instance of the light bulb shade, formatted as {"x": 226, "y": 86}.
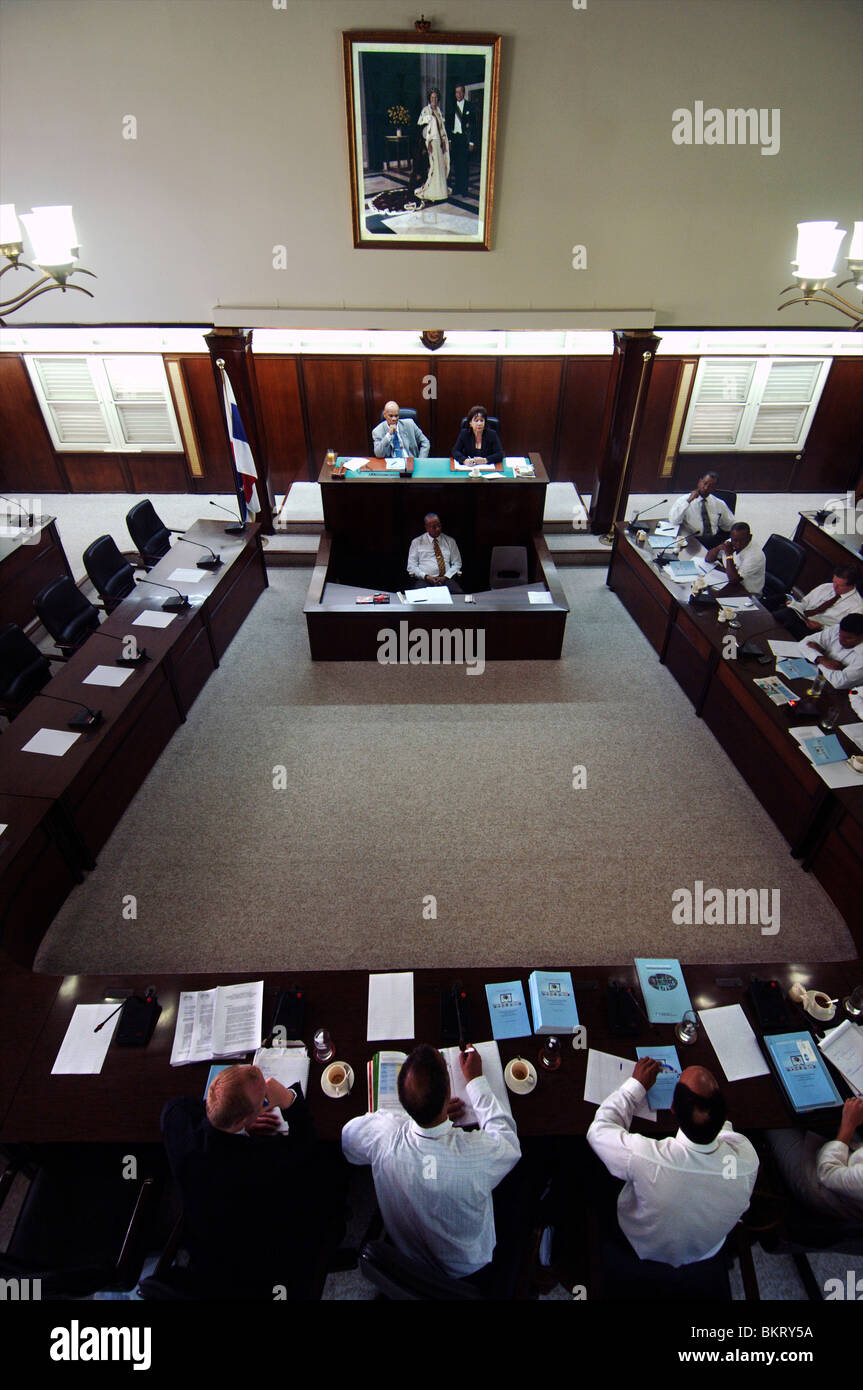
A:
{"x": 10, "y": 227}
{"x": 52, "y": 235}
{"x": 855, "y": 251}
{"x": 817, "y": 248}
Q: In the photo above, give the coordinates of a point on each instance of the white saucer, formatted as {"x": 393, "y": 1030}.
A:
{"x": 328, "y": 1090}
{"x": 520, "y": 1088}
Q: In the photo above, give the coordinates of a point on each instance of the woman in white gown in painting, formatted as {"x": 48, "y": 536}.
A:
{"x": 434, "y": 190}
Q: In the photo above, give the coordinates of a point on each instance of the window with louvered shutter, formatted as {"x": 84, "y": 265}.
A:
{"x": 753, "y": 404}
{"x": 112, "y": 403}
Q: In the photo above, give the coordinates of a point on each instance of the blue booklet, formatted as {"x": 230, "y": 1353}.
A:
{"x": 507, "y": 1010}
{"x": 661, "y": 1093}
{"x": 666, "y": 997}
{"x": 552, "y": 1002}
{"x": 825, "y": 748}
{"x": 214, "y": 1072}
{"x": 684, "y": 569}
{"x": 802, "y": 1071}
{"x": 795, "y": 668}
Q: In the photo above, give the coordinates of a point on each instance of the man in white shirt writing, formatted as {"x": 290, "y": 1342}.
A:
{"x": 838, "y": 651}
{"x": 683, "y": 1195}
{"x": 744, "y": 563}
{"x": 434, "y": 1182}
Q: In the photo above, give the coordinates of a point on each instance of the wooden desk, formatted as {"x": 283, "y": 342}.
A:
{"x": 41, "y": 860}
{"x": 825, "y": 548}
{"x": 28, "y": 562}
{"x": 124, "y": 1102}
{"x": 753, "y": 731}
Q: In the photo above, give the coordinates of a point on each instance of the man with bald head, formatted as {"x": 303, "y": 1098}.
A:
{"x": 681, "y": 1195}
{"x": 398, "y": 438}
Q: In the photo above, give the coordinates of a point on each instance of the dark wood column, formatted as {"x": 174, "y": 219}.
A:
{"x": 234, "y": 347}
{"x": 633, "y": 363}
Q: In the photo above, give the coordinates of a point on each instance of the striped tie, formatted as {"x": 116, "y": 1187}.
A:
{"x": 438, "y": 554}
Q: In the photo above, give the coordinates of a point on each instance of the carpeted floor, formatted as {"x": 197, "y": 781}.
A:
{"x": 403, "y": 782}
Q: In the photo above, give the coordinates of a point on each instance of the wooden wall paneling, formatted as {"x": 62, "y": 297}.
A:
{"x": 833, "y": 456}
{"x": 461, "y": 383}
{"x": 335, "y": 398}
{"x": 529, "y": 391}
{"x": 281, "y": 413}
{"x": 583, "y": 397}
{"x": 650, "y": 450}
{"x": 401, "y": 379}
{"x": 737, "y": 472}
{"x": 158, "y": 472}
{"x": 98, "y": 472}
{"x": 28, "y": 463}
{"x": 206, "y": 409}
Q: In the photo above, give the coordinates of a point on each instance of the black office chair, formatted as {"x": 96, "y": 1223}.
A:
{"x": 398, "y": 1278}
{"x": 804, "y": 1233}
{"x": 24, "y": 670}
{"x": 66, "y": 614}
{"x": 150, "y": 536}
{"x": 406, "y": 412}
{"x": 490, "y": 420}
{"x": 729, "y": 498}
{"x": 508, "y": 566}
{"x": 784, "y": 560}
{"x": 82, "y": 1226}
{"x": 111, "y": 575}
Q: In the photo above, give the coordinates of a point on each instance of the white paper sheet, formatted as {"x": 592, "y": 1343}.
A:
{"x": 288, "y": 1064}
{"x": 4, "y": 826}
{"x": 152, "y": 617}
{"x": 237, "y": 1018}
{"x": 785, "y": 648}
{"x": 854, "y": 732}
{"x": 666, "y": 528}
{"x": 82, "y": 1052}
{"x": 108, "y": 675}
{"x": 738, "y": 603}
{"x": 432, "y": 593}
{"x": 492, "y": 1070}
{"x": 539, "y": 596}
{"x": 353, "y": 465}
{"x": 395, "y": 465}
{"x": 844, "y": 1047}
{"x": 54, "y": 742}
{"x": 391, "y": 1006}
{"x": 182, "y": 576}
{"x": 834, "y": 775}
{"x": 734, "y": 1042}
{"x": 605, "y": 1073}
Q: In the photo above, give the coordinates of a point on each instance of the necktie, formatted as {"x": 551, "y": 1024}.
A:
{"x": 706, "y": 528}
{"x": 822, "y": 607}
{"x": 398, "y": 450}
{"x": 438, "y": 554}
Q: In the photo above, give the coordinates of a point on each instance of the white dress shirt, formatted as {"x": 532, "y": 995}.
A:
{"x": 750, "y": 565}
{"x": 434, "y": 1186}
{"x": 688, "y": 514}
{"x": 843, "y": 604}
{"x": 681, "y": 1199}
{"x": 841, "y": 1170}
{"x": 827, "y": 643}
{"x": 422, "y": 560}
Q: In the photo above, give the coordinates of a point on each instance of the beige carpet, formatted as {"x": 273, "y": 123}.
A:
{"x": 404, "y": 782}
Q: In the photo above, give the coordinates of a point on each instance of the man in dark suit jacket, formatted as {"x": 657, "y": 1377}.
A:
{"x": 257, "y": 1207}
{"x": 459, "y": 128}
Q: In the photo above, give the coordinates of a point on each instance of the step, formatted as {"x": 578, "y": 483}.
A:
{"x": 290, "y": 549}
{"x": 578, "y": 548}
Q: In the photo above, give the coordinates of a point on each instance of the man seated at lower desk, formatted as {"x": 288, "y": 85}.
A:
{"x": 824, "y": 606}
{"x": 744, "y": 563}
{"x": 434, "y": 558}
{"x": 838, "y": 651}
{"x": 257, "y": 1210}
{"x": 683, "y": 1195}
{"x": 434, "y": 1182}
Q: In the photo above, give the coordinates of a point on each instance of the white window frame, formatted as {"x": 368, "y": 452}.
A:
{"x": 107, "y": 404}
{"x": 752, "y": 406}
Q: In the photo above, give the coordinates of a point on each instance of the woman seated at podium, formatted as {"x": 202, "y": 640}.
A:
{"x": 478, "y": 442}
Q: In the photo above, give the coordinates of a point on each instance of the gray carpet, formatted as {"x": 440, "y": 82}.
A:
{"x": 408, "y": 781}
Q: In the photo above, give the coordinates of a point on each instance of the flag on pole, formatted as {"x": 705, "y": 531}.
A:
{"x": 244, "y": 464}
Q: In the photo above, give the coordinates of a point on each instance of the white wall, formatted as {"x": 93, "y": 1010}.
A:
{"x": 242, "y": 145}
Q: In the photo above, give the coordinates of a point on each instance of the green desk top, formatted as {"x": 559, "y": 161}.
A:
{"x": 425, "y": 470}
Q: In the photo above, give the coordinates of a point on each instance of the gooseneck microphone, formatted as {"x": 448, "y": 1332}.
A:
{"x": 16, "y": 503}
{"x": 237, "y": 529}
{"x": 632, "y": 526}
{"x": 126, "y": 660}
{"x": 170, "y": 605}
{"x": 213, "y": 563}
{"x": 86, "y": 718}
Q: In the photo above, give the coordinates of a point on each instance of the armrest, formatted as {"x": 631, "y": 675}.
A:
{"x": 131, "y": 1257}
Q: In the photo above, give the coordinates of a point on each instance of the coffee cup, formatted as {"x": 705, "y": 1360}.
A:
{"x": 338, "y": 1079}
{"x": 857, "y": 762}
{"x": 519, "y": 1071}
{"x": 640, "y": 537}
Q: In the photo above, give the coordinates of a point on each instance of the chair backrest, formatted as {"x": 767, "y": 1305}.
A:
{"x": 729, "y": 498}
{"x": 490, "y": 420}
{"x": 112, "y": 576}
{"x": 401, "y": 1279}
{"x": 65, "y": 613}
{"x": 406, "y": 412}
{"x": 150, "y": 536}
{"x": 508, "y": 566}
{"x": 23, "y": 668}
{"x": 784, "y": 560}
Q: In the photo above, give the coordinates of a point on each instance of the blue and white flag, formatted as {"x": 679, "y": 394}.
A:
{"x": 244, "y": 464}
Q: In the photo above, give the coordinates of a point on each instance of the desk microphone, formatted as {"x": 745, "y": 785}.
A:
{"x": 632, "y": 526}
{"x": 17, "y": 504}
{"x": 212, "y": 564}
{"x": 86, "y": 718}
{"x": 236, "y": 530}
{"x": 170, "y": 605}
{"x": 127, "y": 660}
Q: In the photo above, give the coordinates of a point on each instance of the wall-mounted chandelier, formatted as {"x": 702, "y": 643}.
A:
{"x": 52, "y": 235}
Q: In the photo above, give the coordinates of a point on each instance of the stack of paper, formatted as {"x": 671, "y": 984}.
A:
{"x": 734, "y": 1042}
{"x": 491, "y": 1070}
{"x": 837, "y": 774}
{"x": 223, "y": 1022}
{"x": 843, "y": 1046}
{"x": 605, "y": 1074}
{"x": 391, "y": 1006}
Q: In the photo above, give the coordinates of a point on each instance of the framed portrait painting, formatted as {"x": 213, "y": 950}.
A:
{"x": 422, "y": 118}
